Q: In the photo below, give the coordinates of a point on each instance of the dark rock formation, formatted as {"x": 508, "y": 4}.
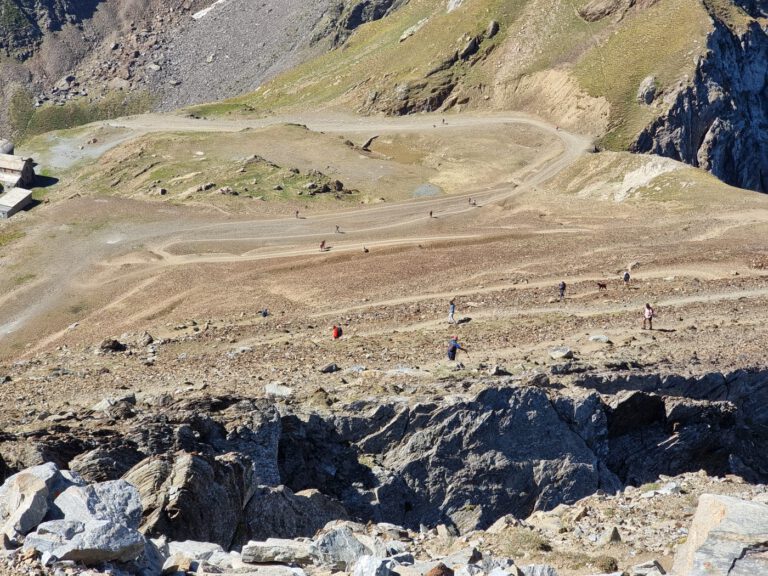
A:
{"x": 464, "y": 462}
{"x": 24, "y": 22}
{"x": 360, "y": 12}
{"x": 719, "y": 121}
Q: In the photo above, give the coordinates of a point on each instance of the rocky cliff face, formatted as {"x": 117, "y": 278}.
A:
{"x": 719, "y": 120}
{"x": 23, "y": 23}
{"x": 355, "y": 14}
{"x": 463, "y": 462}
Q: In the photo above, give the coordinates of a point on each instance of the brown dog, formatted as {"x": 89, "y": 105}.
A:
{"x": 602, "y": 286}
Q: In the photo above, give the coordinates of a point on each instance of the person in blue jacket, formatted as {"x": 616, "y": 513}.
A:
{"x": 454, "y": 347}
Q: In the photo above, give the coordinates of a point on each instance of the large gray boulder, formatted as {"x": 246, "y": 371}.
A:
{"x": 727, "y": 538}
{"x": 646, "y": 92}
{"x": 26, "y": 498}
{"x": 339, "y": 548}
{"x": 278, "y": 551}
{"x": 195, "y": 550}
{"x": 116, "y": 501}
{"x": 373, "y": 566}
{"x": 91, "y": 543}
{"x": 23, "y": 504}
{"x": 94, "y": 524}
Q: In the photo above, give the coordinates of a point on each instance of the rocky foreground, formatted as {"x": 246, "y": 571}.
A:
{"x": 55, "y": 523}
{"x": 525, "y": 477}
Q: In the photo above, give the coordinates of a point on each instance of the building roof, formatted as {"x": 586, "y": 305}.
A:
{"x": 9, "y": 180}
{"x": 10, "y": 162}
{"x": 14, "y": 197}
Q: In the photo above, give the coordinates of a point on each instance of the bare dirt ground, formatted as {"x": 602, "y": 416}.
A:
{"x": 99, "y": 266}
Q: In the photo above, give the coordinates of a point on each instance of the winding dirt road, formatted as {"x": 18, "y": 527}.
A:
{"x": 174, "y": 242}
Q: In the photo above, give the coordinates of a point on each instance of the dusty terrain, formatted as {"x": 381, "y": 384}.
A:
{"x": 517, "y": 206}
{"x": 196, "y": 274}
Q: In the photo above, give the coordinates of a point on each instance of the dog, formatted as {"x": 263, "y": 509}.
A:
{"x": 602, "y": 286}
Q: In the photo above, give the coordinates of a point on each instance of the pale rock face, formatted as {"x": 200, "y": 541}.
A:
{"x": 96, "y": 523}
{"x": 726, "y": 537}
{"x": 26, "y": 497}
{"x": 23, "y": 504}
{"x": 279, "y": 551}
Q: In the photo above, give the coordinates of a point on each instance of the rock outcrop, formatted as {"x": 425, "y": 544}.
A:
{"x": 716, "y": 121}
{"x": 511, "y": 442}
{"x": 53, "y": 513}
{"x": 727, "y": 537}
{"x": 462, "y": 462}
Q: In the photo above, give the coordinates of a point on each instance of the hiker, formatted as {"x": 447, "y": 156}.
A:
{"x": 337, "y": 332}
{"x": 470, "y": 201}
{"x": 454, "y": 347}
{"x": 338, "y": 230}
{"x": 626, "y": 279}
{"x": 430, "y": 213}
{"x": 451, "y": 311}
{"x": 322, "y": 246}
{"x": 297, "y": 213}
{"x": 648, "y": 315}
{"x": 561, "y": 288}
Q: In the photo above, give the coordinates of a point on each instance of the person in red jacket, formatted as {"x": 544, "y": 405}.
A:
{"x": 337, "y": 332}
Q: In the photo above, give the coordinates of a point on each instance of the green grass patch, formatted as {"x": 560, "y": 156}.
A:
{"x": 374, "y": 60}
{"x": 77, "y": 308}
{"x": 9, "y": 236}
{"x": 651, "y": 486}
{"x": 520, "y": 541}
{"x": 661, "y": 41}
{"x": 28, "y": 121}
{"x": 23, "y": 279}
{"x": 196, "y": 167}
{"x": 733, "y": 16}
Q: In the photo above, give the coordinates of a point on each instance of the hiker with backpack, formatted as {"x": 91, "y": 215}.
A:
{"x": 561, "y": 288}
{"x": 337, "y": 332}
{"x": 454, "y": 347}
{"x": 648, "y": 315}
{"x": 322, "y": 246}
{"x": 626, "y": 279}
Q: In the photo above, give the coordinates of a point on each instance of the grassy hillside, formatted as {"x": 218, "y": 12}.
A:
{"x": 27, "y": 121}
{"x": 663, "y": 42}
{"x": 607, "y": 58}
{"x": 374, "y": 59}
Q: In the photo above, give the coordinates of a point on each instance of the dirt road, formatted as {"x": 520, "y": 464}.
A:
{"x": 178, "y": 242}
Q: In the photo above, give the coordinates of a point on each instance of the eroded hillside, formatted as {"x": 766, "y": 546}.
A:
{"x": 681, "y": 78}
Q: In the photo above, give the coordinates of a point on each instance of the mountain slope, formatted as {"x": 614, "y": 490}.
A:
{"x": 681, "y": 78}
{"x": 65, "y": 63}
